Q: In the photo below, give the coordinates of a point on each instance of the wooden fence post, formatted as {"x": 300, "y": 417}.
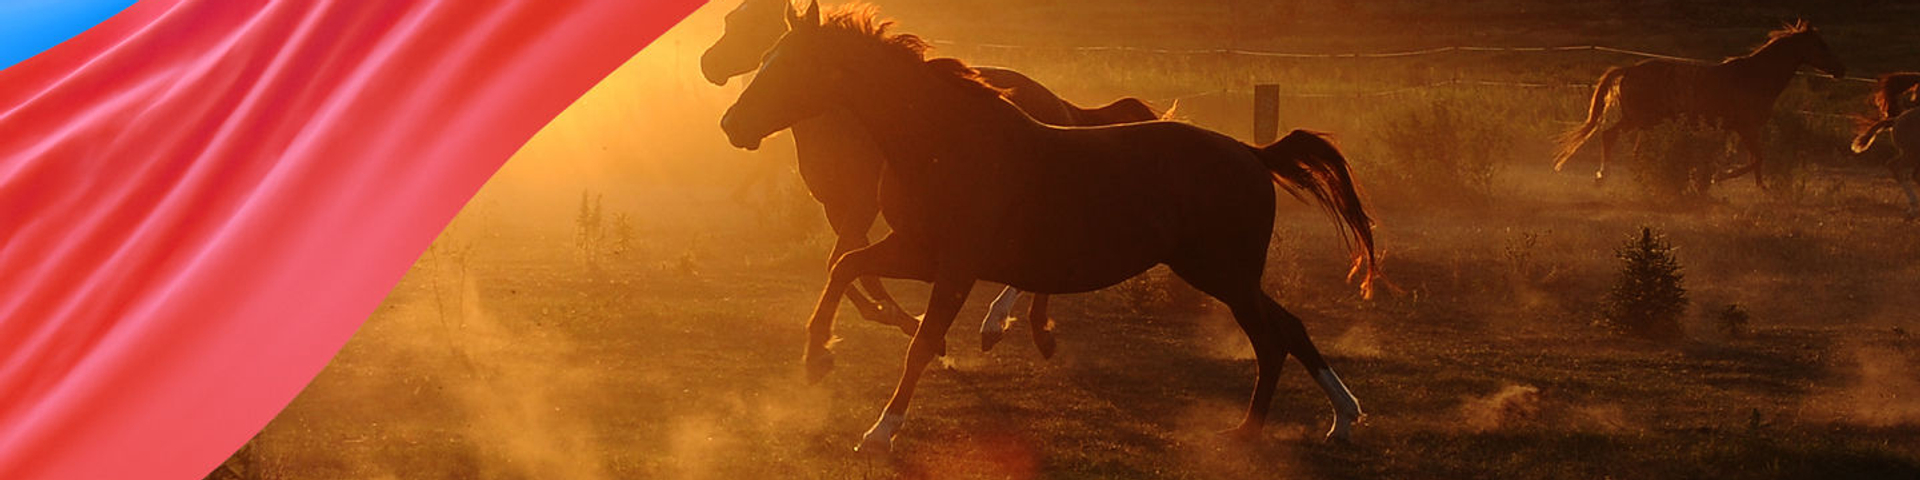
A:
{"x": 1266, "y": 113}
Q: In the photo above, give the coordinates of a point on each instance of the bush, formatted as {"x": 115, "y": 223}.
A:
{"x": 1678, "y": 159}
{"x": 1733, "y": 321}
{"x": 1796, "y": 143}
{"x": 1648, "y": 299}
{"x": 1443, "y": 147}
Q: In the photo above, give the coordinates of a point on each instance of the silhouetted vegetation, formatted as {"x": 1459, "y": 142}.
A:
{"x": 1647, "y": 299}
{"x": 1441, "y": 147}
{"x": 1678, "y": 159}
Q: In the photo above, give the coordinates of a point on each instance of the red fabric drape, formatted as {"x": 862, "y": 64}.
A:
{"x": 201, "y": 200}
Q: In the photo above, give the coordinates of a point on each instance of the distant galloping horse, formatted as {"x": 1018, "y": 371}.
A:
{"x": 841, "y": 166}
{"x": 1044, "y": 208}
{"x": 1736, "y": 94}
{"x": 1904, "y": 125}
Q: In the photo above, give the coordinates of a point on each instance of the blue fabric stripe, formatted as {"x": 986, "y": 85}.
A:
{"x": 28, "y": 27}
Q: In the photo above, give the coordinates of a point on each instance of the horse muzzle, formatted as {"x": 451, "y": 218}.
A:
{"x": 714, "y": 73}
{"x": 739, "y": 135}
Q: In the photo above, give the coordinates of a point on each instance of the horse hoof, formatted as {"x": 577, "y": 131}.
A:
{"x": 1342, "y": 431}
{"x": 879, "y": 439}
{"x": 818, "y": 365}
{"x": 1044, "y": 343}
{"x": 989, "y": 339}
{"x": 874, "y": 446}
{"x": 1240, "y": 434}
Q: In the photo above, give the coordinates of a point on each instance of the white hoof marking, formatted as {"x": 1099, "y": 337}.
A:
{"x": 1346, "y": 409}
{"x": 879, "y": 439}
{"x": 996, "y": 320}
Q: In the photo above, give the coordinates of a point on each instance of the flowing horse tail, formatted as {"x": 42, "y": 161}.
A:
{"x": 1868, "y": 133}
{"x": 1886, "y": 99}
{"x": 1571, "y": 141}
{"x": 1886, "y": 95}
{"x": 1307, "y": 164}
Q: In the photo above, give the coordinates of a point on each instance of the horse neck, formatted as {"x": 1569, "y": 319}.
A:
{"x": 918, "y": 116}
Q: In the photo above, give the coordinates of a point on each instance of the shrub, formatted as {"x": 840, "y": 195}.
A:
{"x": 1796, "y": 143}
{"x": 1677, "y": 159}
{"x": 1648, "y": 299}
{"x": 1733, "y": 321}
{"x": 1442, "y": 147}
{"x": 589, "y": 238}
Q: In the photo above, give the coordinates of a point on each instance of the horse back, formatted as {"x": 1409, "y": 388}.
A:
{"x": 1033, "y": 98}
{"x": 1142, "y": 192}
{"x": 1656, "y": 90}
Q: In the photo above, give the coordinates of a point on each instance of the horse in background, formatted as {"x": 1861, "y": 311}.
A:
{"x": 1044, "y": 208}
{"x": 1737, "y": 94}
{"x": 841, "y": 167}
{"x": 1901, "y": 124}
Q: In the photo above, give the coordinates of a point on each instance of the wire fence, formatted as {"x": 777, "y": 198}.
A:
{"x": 1378, "y": 55}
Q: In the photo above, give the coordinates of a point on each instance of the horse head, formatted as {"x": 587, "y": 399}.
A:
{"x": 1805, "y": 43}
{"x": 788, "y": 87}
{"x": 751, "y": 29}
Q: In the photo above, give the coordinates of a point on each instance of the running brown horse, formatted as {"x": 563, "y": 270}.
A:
{"x": 841, "y": 167}
{"x": 1043, "y": 208}
{"x": 1736, "y": 94}
{"x": 1901, "y": 124}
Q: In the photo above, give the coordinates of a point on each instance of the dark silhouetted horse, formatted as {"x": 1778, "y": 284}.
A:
{"x": 1736, "y": 94}
{"x": 1901, "y": 124}
{"x": 841, "y": 166}
{"x": 995, "y": 195}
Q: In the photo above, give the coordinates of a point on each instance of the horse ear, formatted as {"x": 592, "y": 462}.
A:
{"x": 813, "y": 13}
{"x": 792, "y": 16}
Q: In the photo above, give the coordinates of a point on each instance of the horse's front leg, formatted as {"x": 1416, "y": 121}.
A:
{"x": 1749, "y": 141}
{"x": 949, "y": 292}
{"x": 868, "y": 308}
{"x": 889, "y": 257}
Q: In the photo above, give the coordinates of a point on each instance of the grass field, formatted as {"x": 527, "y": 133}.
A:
{"x": 670, "y": 349}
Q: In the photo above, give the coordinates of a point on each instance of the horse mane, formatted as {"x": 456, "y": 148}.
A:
{"x": 1886, "y": 95}
{"x": 862, "y": 22}
{"x": 1778, "y": 34}
{"x": 1787, "y": 30}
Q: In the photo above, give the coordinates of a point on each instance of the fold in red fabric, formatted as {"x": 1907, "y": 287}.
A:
{"x": 201, "y": 200}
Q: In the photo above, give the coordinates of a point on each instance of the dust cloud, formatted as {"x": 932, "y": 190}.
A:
{"x": 1511, "y": 405}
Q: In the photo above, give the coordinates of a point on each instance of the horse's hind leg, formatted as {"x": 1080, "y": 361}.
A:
{"x": 1607, "y": 137}
{"x": 994, "y": 326}
{"x": 1906, "y": 171}
{"x": 1293, "y": 333}
{"x": 1042, "y": 325}
{"x": 1269, "y": 353}
{"x": 1243, "y": 297}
